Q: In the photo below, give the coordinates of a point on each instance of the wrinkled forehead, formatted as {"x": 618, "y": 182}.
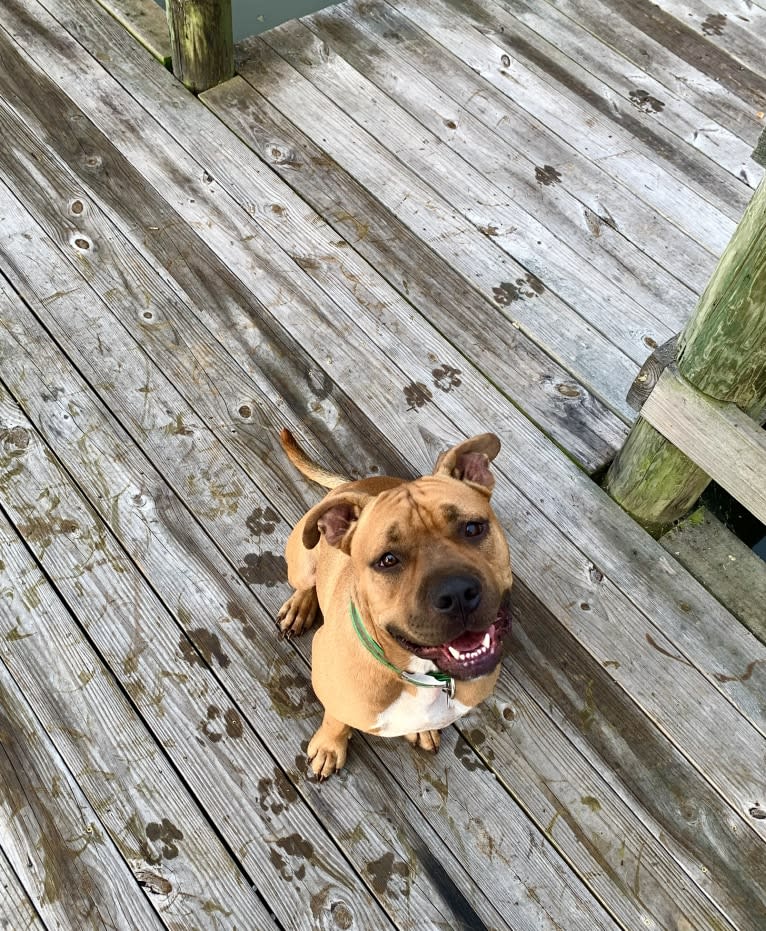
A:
{"x": 429, "y": 505}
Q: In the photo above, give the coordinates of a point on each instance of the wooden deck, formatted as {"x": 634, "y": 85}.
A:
{"x": 400, "y": 224}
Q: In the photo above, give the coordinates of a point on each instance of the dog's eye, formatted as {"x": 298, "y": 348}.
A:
{"x": 387, "y": 561}
{"x": 474, "y": 529}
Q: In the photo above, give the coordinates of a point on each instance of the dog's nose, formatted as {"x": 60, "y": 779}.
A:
{"x": 456, "y": 594}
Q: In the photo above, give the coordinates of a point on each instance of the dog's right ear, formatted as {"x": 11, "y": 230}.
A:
{"x": 335, "y": 519}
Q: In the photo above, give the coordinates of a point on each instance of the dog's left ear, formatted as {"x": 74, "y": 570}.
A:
{"x": 469, "y": 462}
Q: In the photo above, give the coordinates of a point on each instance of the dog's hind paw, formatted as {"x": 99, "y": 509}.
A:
{"x": 425, "y": 740}
{"x": 298, "y": 613}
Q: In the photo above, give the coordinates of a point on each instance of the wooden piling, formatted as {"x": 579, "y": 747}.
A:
{"x": 722, "y": 355}
{"x": 202, "y": 42}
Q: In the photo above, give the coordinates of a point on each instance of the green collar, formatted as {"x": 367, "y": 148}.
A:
{"x": 443, "y": 681}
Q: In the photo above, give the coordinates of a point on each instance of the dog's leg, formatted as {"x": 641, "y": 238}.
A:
{"x": 298, "y": 613}
{"x": 327, "y": 748}
{"x": 425, "y": 740}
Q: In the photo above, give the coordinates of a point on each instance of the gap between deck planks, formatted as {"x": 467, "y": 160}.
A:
{"x": 102, "y": 237}
{"x": 691, "y": 644}
{"x": 18, "y": 914}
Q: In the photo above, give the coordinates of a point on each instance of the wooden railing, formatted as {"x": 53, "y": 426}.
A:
{"x": 703, "y": 418}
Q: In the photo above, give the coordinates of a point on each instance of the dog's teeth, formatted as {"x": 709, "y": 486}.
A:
{"x": 486, "y": 641}
{"x": 455, "y": 653}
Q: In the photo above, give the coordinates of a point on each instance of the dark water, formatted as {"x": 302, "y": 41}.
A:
{"x": 741, "y": 522}
{"x": 252, "y": 17}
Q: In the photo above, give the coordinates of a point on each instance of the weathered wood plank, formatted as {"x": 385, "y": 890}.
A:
{"x": 637, "y": 761}
{"x": 576, "y": 420}
{"x": 168, "y": 675}
{"x": 737, "y": 31}
{"x": 326, "y": 268}
{"x": 625, "y": 268}
{"x": 724, "y": 565}
{"x": 601, "y": 300}
{"x": 648, "y": 138}
{"x": 18, "y": 913}
{"x": 627, "y": 88}
{"x": 580, "y": 124}
{"x": 53, "y": 839}
{"x": 649, "y": 588}
{"x": 681, "y": 59}
{"x": 727, "y": 444}
{"x": 608, "y": 208}
{"x": 146, "y": 22}
{"x": 265, "y": 671}
{"x": 561, "y": 406}
{"x": 120, "y": 769}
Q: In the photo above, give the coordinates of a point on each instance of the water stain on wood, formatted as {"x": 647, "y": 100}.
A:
{"x": 262, "y": 521}
{"x": 164, "y": 835}
{"x": 417, "y": 395}
{"x": 237, "y": 613}
{"x": 547, "y": 175}
{"x": 467, "y": 757}
{"x": 264, "y": 569}
{"x": 595, "y": 221}
{"x": 39, "y": 531}
{"x": 291, "y": 695}
{"x": 15, "y": 436}
{"x": 642, "y": 100}
{"x": 714, "y": 24}
{"x": 746, "y": 675}
{"x": 153, "y": 882}
{"x": 207, "y": 643}
{"x": 655, "y": 646}
{"x": 276, "y": 793}
{"x": 298, "y": 851}
{"x": 446, "y": 378}
{"x": 527, "y": 287}
{"x": 383, "y": 870}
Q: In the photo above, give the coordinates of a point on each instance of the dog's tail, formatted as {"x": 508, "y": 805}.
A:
{"x": 305, "y": 465}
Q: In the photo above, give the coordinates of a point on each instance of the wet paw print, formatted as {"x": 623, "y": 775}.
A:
{"x": 417, "y": 395}
{"x": 507, "y": 292}
{"x": 276, "y": 794}
{"x": 163, "y": 835}
{"x": 715, "y": 24}
{"x": 446, "y": 378}
{"x": 267, "y": 569}
{"x": 262, "y": 520}
{"x": 643, "y": 101}
{"x": 385, "y": 869}
{"x": 291, "y": 856}
{"x": 547, "y": 175}
{"x": 217, "y": 724}
{"x": 467, "y": 757}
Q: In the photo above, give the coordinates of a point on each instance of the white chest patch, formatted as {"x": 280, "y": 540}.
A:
{"x": 429, "y": 709}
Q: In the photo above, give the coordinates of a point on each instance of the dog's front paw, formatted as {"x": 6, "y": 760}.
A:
{"x": 298, "y": 613}
{"x": 425, "y": 740}
{"x": 328, "y": 749}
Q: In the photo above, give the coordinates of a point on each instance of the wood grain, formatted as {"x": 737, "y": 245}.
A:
{"x": 53, "y": 839}
{"x": 724, "y": 442}
{"x": 120, "y": 769}
{"x": 19, "y": 914}
{"x": 145, "y": 20}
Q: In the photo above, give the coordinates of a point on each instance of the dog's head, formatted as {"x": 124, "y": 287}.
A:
{"x": 430, "y": 560}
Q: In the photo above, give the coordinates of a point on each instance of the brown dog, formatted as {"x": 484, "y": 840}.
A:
{"x": 413, "y": 579}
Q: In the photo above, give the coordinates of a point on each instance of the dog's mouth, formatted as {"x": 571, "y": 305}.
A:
{"x": 474, "y": 653}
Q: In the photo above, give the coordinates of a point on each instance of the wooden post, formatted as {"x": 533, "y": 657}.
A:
{"x": 202, "y": 42}
{"x": 722, "y": 353}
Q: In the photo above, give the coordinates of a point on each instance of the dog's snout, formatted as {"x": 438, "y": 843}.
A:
{"x": 456, "y": 594}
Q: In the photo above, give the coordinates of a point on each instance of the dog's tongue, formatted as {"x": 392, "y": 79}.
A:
{"x": 470, "y": 640}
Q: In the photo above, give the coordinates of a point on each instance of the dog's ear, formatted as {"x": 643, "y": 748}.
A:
{"x": 469, "y": 462}
{"x": 334, "y": 518}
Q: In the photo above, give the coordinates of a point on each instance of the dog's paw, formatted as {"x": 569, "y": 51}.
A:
{"x": 327, "y": 753}
{"x": 425, "y": 740}
{"x": 298, "y": 613}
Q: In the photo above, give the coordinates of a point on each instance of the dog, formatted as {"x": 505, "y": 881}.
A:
{"x": 413, "y": 580}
